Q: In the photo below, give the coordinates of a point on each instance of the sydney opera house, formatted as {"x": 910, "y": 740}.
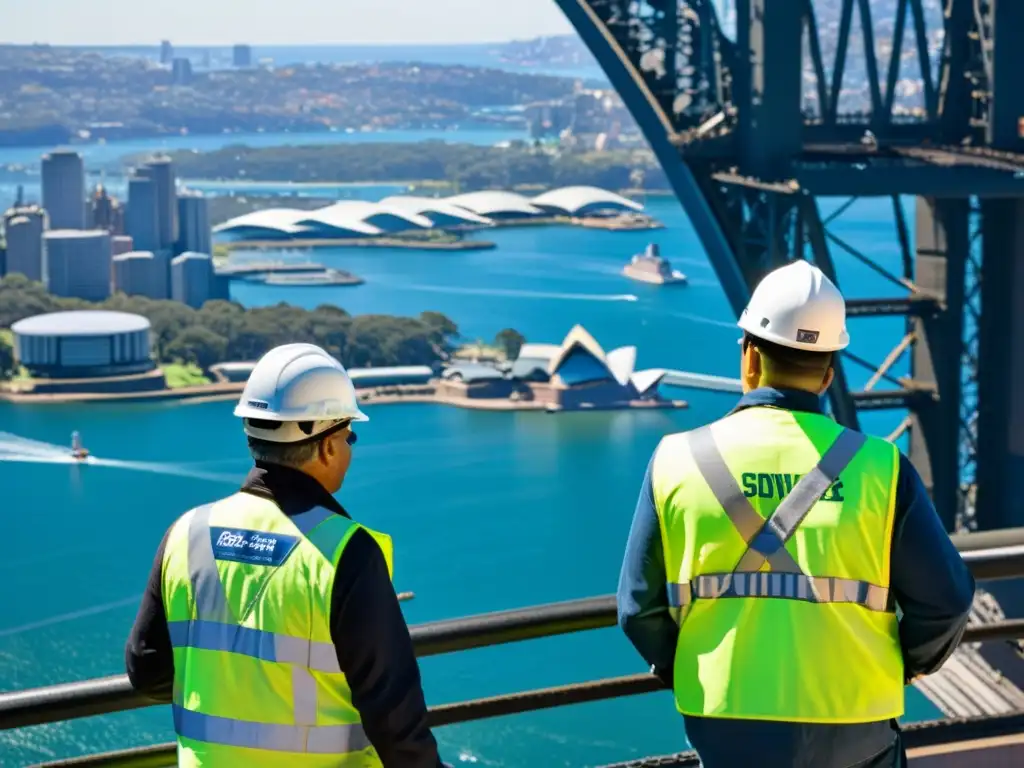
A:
{"x": 576, "y": 374}
{"x": 358, "y": 219}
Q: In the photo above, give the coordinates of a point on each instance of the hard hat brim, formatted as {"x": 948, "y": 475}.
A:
{"x": 783, "y": 341}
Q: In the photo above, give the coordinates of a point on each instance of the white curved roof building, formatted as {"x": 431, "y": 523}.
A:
{"x": 268, "y": 224}
{"x": 495, "y": 204}
{"x": 580, "y": 360}
{"x": 440, "y": 212}
{"x": 580, "y": 201}
{"x": 363, "y": 217}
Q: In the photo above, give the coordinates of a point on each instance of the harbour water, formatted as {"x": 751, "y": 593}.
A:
{"x": 488, "y": 510}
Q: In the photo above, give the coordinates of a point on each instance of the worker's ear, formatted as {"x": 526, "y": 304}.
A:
{"x": 325, "y": 451}
{"x": 751, "y": 367}
{"x": 830, "y": 375}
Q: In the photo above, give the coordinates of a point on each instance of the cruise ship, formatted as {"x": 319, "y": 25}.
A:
{"x": 649, "y": 267}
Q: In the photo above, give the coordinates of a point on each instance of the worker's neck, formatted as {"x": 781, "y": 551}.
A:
{"x": 799, "y": 384}
{"x": 327, "y": 478}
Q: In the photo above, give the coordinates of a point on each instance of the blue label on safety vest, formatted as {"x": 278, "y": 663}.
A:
{"x": 256, "y": 547}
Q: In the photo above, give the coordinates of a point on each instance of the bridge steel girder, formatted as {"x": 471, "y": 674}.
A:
{"x": 746, "y": 147}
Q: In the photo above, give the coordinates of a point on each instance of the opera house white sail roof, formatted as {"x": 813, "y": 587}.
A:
{"x": 493, "y": 202}
{"x": 573, "y": 201}
{"x": 439, "y": 211}
{"x": 401, "y": 213}
{"x": 579, "y": 358}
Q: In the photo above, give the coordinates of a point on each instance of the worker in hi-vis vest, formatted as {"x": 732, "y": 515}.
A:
{"x": 771, "y": 550}
{"x": 270, "y": 621}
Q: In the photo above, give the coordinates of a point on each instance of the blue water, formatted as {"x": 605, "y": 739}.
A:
{"x": 488, "y": 510}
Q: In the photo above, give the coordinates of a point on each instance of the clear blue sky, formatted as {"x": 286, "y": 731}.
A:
{"x": 287, "y": 22}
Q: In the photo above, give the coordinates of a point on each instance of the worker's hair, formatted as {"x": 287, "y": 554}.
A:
{"x": 287, "y": 454}
{"x": 789, "y": 361}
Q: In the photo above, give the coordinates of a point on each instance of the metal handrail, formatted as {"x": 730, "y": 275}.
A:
{"x": 580, "y": 693}
{"x": 1002, "y": 559}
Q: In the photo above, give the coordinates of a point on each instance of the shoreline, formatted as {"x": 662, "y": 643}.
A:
{"x": 229, "y": 390}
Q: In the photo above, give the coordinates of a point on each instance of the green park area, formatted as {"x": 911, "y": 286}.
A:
{"x": 187, "y": 341}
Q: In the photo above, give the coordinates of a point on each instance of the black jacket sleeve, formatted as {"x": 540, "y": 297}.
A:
{"x": 148, "y": 657}
{"x": 376, "y": 654}
{"x": 932, "y": 584}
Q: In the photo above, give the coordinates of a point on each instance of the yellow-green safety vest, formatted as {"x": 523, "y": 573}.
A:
{"x": 776, "y": 529}
{"x": 247, "y": 593}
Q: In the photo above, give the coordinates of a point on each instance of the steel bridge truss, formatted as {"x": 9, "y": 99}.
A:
{"x": 753, "y": 128}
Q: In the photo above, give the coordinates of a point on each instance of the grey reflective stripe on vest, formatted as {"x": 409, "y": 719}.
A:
{"x": 216, "y": 628}
{"x": 207, "y": 590}
{"x": 765, "y": 539}
{"x": 266, "y": 646}
{"x": 789, "y": 586}
{"x": 323, "y": 739}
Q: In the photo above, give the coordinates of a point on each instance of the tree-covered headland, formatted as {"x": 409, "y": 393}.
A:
{"x": 225, "y": 331}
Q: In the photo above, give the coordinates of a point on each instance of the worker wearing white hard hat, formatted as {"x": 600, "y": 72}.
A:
{"x": 769, "y": 550}
{"x": 271, "y": 614}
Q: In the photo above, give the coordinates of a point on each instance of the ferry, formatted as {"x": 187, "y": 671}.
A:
{"x": 324, "y": 277}
{"x": 649, "y": 267}
{"x": 78, "y": 452}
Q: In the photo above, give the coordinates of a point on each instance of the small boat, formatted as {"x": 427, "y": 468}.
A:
{"x": 650, "y": 267}
{"x": 78, "y": 452}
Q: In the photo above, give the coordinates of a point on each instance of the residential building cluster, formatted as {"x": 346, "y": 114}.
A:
{"x": 158, "y": 244}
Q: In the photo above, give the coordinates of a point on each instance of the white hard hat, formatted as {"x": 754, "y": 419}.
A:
{"x": 797, "y": 306}
{"x": 297, "y": 383}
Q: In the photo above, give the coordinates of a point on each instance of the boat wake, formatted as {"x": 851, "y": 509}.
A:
{"x": 70, "y": 616}
{"x": 15, "y": 448}
{"x": 512, "y": 293}
{"x": 702, "y": 319}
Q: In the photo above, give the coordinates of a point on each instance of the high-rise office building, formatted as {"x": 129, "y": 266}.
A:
{"x": 192, "y": 279}
{"x": 76, "y": 263}
{"x": 181, "y": 71}
{"x": 242, "y": 56}
{"x": 105, "y": 212}
{"x": 64, "y": 189}
{"x": 194, "y": 232}
{"x": 24, "y": 228}
{"x": 121, "y": 244}
{"x": 141, "y": 273}
{"x": 161, "y": 171}
{"x": 142, "y": 219}
{"x": 166, "y": 52}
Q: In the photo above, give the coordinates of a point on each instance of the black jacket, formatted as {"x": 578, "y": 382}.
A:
{"x": 372, "y": 640}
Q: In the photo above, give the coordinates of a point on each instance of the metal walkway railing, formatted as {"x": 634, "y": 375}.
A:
{"x": 991, "y": 556}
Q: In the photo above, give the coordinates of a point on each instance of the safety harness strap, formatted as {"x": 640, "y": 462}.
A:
{"x": 766, "y": 539}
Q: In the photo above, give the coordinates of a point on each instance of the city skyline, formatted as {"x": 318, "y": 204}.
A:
{"x": 261, "y": 22}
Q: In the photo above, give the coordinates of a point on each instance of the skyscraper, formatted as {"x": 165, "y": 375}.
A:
{"x": 24, "y": 229}
{"x": 181, "y": 71}
{"x": 166, "y": 51}
{"x": 141, "y": 273}
{"x": 105, "y": 212}
{"x": 141, "y": 220}
{"x": 193, "y": 223}
{"x": 121, "y": 244}
{"x": 242, "y": 56}
{"x": 192, "y": 279}
{"x": 64, "y": 189}
{"x": 76, "y": 264}
{"x": 161, "y": 171}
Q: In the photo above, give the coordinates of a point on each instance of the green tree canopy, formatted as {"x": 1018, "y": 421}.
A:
{"x": 225, "y": 331}
{"x": 510, "y": 341}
